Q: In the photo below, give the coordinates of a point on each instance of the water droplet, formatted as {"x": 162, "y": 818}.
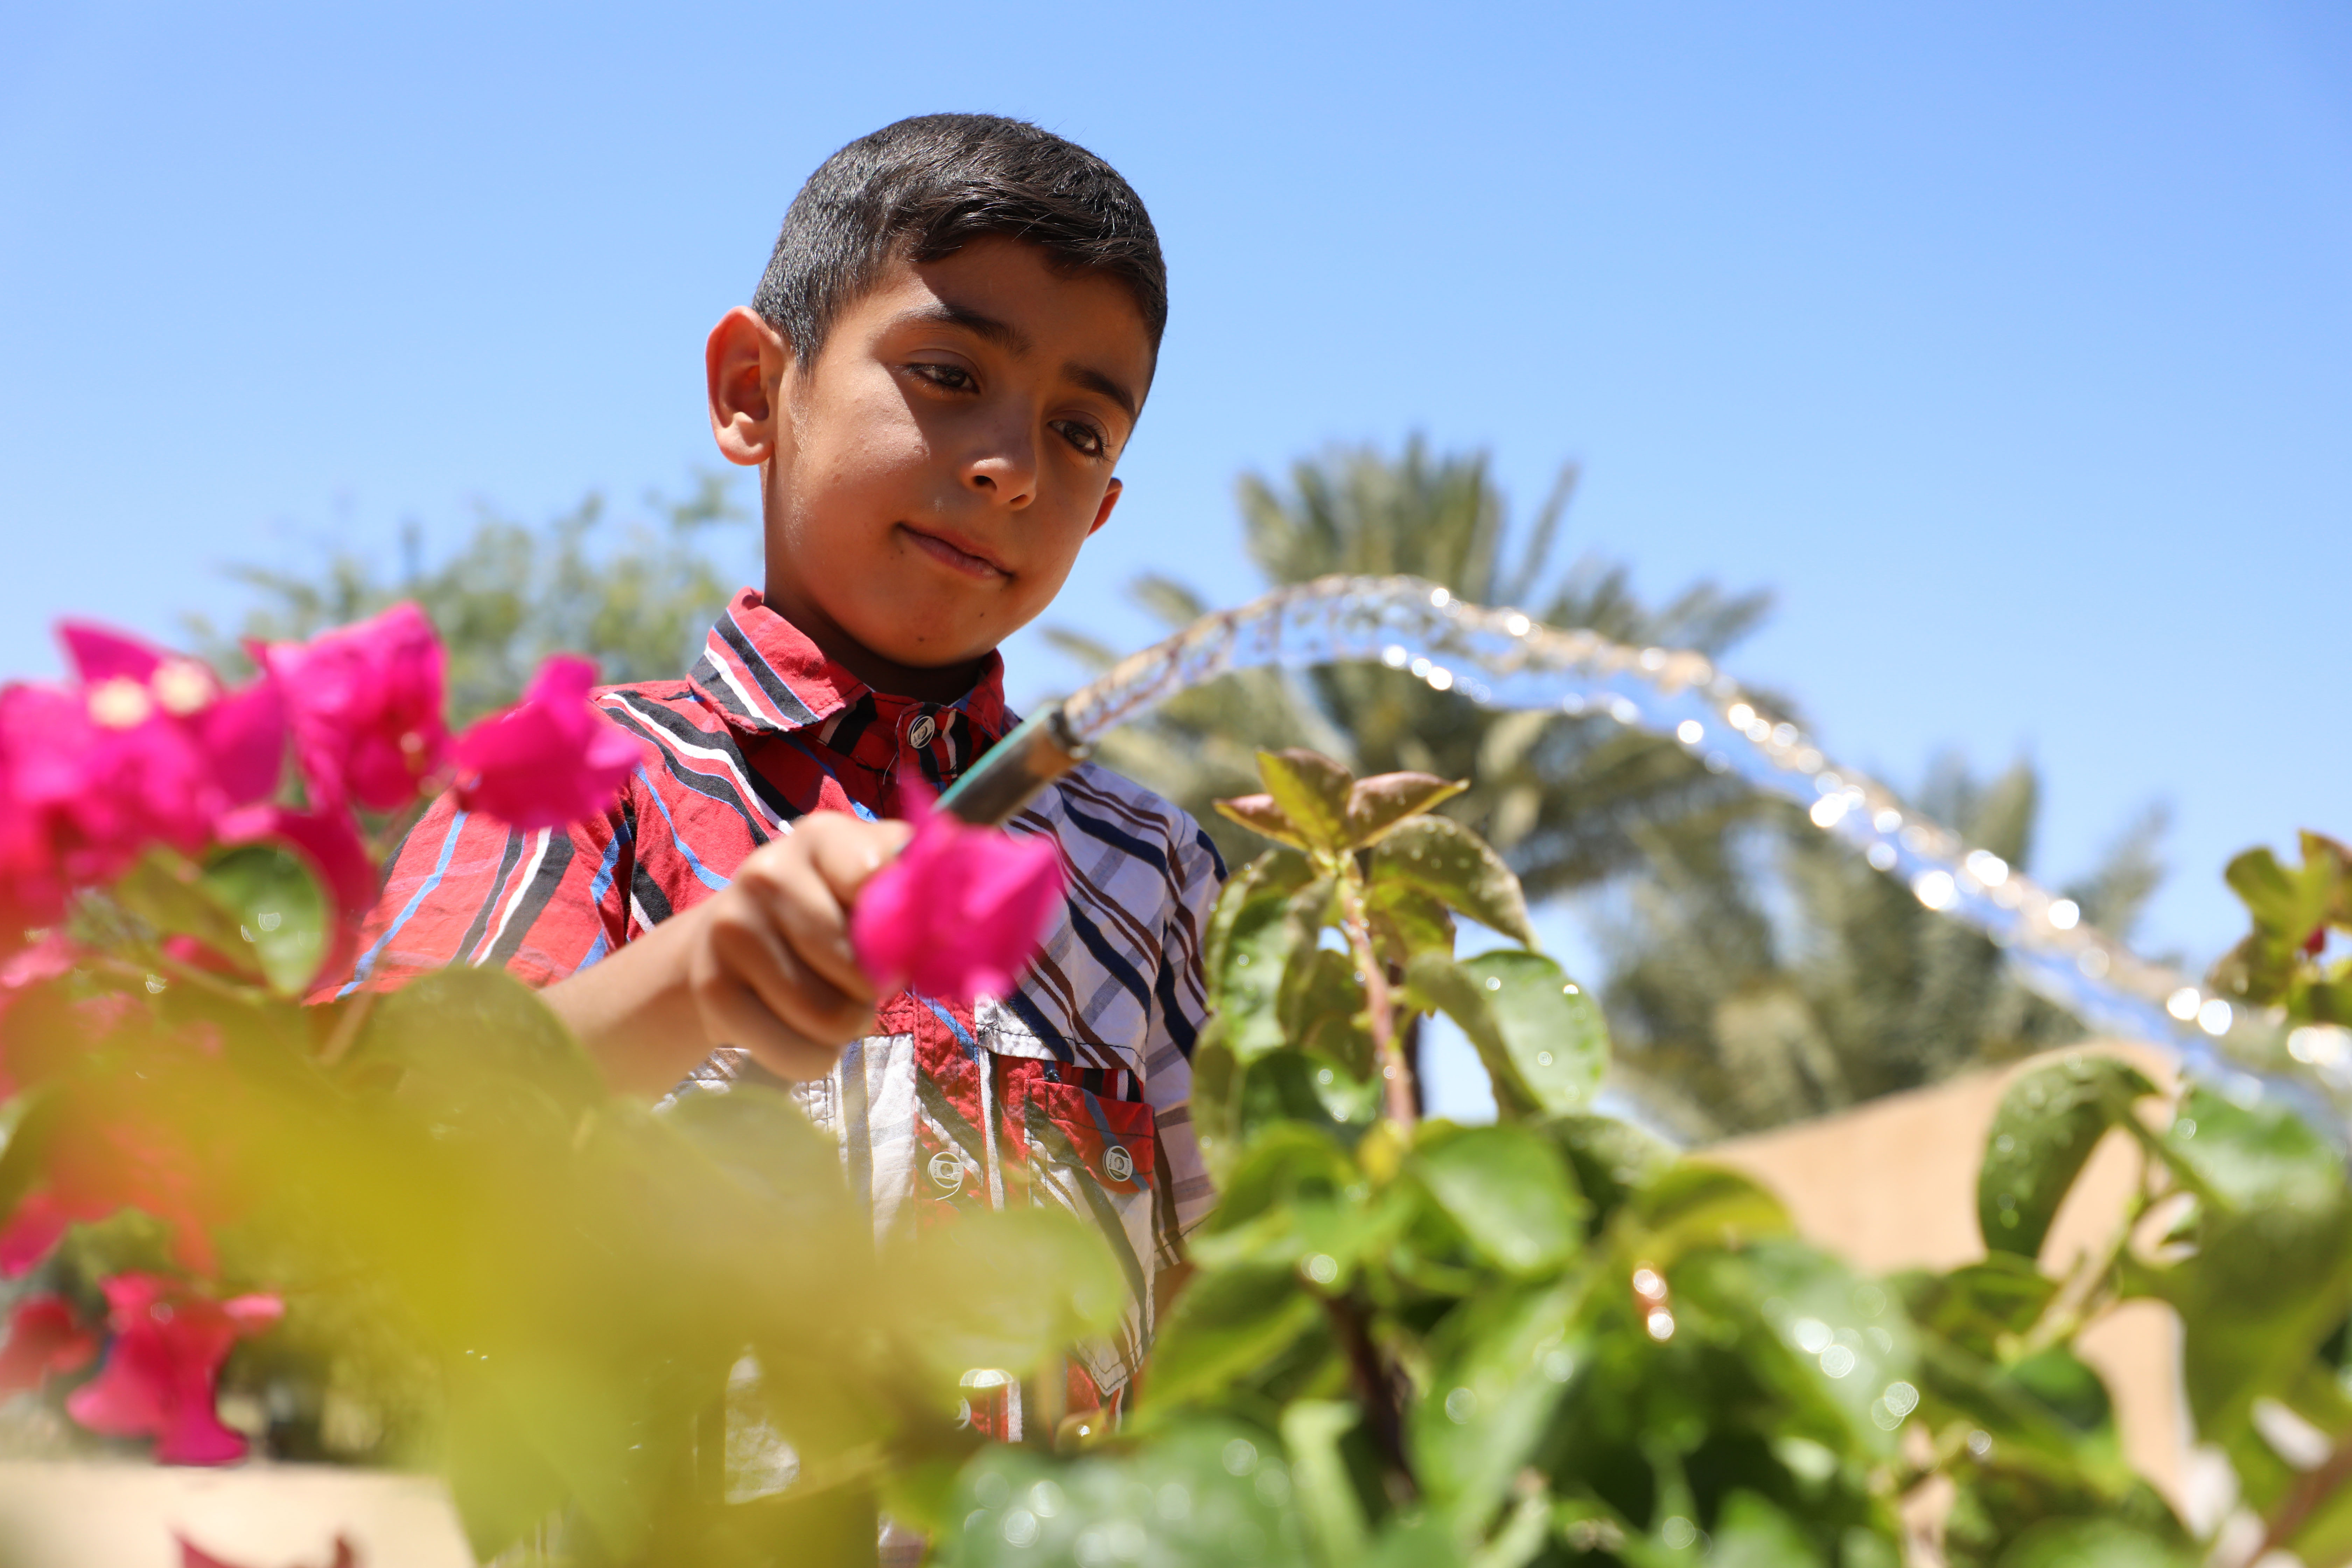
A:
{"x": 1322, "y": 1267}
{"x": 1936, "y": 889}
{"x": 1740, "y": 715}
{"x": 2183, "y": 1003}
{"x": 2004, "y": 1144}
{"x": 1677, "y": 1532}
{"x": 2214, "y": 1017}
{"x": 1020, "y": 1528}
{"x": 2064, "y": 914}
{"x": 1660, "y": 1325}
{"x": 1240, "y": 1456}
{"x": 1837, "y": 1361}
{"x": 1494, "y": 983}
{"x": 1882, "y": 857}
{"x": 1543, "y": 1058}
{"x": 1690, "y": 732}
{"x": 1460, "y": 1405}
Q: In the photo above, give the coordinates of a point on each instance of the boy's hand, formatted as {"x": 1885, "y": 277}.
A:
{"x": 770, "y": 970}
{"x": 764, "y": 964}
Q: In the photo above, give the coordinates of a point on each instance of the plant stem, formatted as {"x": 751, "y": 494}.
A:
{"x": 2310, "y": 1489}
{"x": 1396, "y": 1073}
{"x": 1377, "y": 1387}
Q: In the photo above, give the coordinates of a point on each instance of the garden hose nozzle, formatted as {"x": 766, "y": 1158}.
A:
{"x": 1015, "y": 770}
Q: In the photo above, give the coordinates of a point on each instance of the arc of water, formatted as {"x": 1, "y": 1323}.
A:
{"x": 1502, "y": 658}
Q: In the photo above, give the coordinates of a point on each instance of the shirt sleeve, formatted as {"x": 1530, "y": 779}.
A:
{"x": 463, "y": 889}
{"x": 1180, "y": 1007}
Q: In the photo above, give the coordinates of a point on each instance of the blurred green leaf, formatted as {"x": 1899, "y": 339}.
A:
{"x": 1312, "y": 1432}
{"x": 2049, "y": 1120}
{"x": 1551, "y": 1026}
{"x": 2274, "y": 1208}
{"x": 279, "y": 912}
{"x": 1612, "y": 1160}
{"x": 1499, "y": 1368}
{"x": 1696, "y": 1205}
{"x": 1201, "y": 1493}
{"x": 2094, "y": 1544}
{"x": 1448, "y": 861}
{"x": 1228, "y": 1323}
{"x": 1506, "y": 1188}
{"x": 1750, "y": 1532}
{"x": 1251, "y": 939}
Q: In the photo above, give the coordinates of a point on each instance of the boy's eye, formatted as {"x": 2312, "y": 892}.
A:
{"x": 1082, "y": 436}
{"x": 953, "y": 377}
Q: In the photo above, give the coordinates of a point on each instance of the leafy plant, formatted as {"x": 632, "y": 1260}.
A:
{"x": 1550, "y": 1340}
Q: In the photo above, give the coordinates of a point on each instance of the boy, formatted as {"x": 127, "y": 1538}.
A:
{"x": 936, "y": 379}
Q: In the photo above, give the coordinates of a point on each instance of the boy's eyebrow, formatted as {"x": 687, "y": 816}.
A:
{"x": 1005, "y": 335}
{"x": 1095, "y": 381}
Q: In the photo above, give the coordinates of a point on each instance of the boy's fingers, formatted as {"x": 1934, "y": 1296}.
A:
{"x": 793, "y": 896}
{"x": 847, "y": 851}
{"x": 731, "y": 1012}
{"x": 749, "y": 951}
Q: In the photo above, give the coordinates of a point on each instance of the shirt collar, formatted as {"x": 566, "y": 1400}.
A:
{"x": 765, "y": 675}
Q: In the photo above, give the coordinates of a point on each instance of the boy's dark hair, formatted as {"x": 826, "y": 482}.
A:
{"x": 925, "y": 187}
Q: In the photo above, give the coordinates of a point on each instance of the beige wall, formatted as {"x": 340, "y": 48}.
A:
{"x": 1892, "y": 1185}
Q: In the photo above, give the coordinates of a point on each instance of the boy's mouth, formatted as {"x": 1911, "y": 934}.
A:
{"x": 957, "y": 554}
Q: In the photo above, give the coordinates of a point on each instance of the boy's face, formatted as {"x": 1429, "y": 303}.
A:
{"x": 928, "y": 482}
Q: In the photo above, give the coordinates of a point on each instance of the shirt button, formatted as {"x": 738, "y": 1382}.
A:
{"x": 920, "y": 733}
{"x": 947, "y": 1170}
{"x": 1119, "y": 1165}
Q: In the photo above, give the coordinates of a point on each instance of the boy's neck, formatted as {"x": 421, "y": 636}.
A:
{"x": 943, "y": 683}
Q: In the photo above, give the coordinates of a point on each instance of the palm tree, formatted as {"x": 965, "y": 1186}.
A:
{"x": 1764, "y": 973}
{"x": 1565, "y": 800}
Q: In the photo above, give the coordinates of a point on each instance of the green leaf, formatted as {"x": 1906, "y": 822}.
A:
{"x": 1253, "y": 937}
{"x": 1549, "y": 1026}
{"x": 1312, "y": 790}
{"x": 2284, "y": 903}
{"x": 1499, "y": 1367}
{"x": 1508, "y": 1189}
{"x": 1978, "y": 1305}
{"x": 1322, "y": 1008}
{"x": 1229, "y": 1323}
{"x": 1444, "y": 859}
{"x": 1201, "y": 1492}
{"x": 278, "y": 908}
{"x": 479, "y": 1048}
{"x": 169, "y": 893}
{"x": 1261, "y": 817}
{"x": 2272, "y": 1274}
{"x": 1696, "y": 1205}
{"x": 2048, "y": 1122}
{"x": 1311, "y": 1431}
{"x": 2094, "y": 1544}
{"x": 1750, "y": 1532}
{"x": 1377, "y": 804}
{"x": 1612, "y": 1160}
{"x": 1407, "y": 922}
{"x": 1024, "y": 1281}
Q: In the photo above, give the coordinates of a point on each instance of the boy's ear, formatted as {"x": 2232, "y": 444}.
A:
{"x": 1111, "y": 493}
{"x": 744, "y": 363}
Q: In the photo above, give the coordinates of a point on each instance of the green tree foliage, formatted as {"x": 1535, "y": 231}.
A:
{"x": 1562, "y": 799}
{"x": 512, "y": 593}
{"x": 1765, "y": 973}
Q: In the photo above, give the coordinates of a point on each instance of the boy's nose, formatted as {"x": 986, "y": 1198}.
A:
{"x": 1005, "y": 469}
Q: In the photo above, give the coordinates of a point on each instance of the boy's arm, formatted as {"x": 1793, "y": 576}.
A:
{"x": 764, "y": 965}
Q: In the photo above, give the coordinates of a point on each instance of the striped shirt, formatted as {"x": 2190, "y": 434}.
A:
{"x": 1072, "y": 1091}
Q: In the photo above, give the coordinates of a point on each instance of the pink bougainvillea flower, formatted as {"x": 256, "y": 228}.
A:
{"x": 149, "y": 749}
{"x": 161, "y": 1371}
{"x": 45, "y": 1340}
{"x": 959, "y": 912}
{"x": 549, "y": 760}
{"x": 99, "y": 1162}
{"x": 366, "y": 704}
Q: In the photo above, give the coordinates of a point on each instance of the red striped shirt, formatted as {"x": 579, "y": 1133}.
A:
{"x": 1072, "y": 1091}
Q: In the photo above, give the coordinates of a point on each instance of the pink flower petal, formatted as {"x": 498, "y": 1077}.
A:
{"x": 366, "y": 702}
{"x": 44, "y": 1341}
{"x": 101, "y": 654}
{"x": 549, "y": 760}
{"x": 164, "y": 1366}
{"x": 959, "y": 912}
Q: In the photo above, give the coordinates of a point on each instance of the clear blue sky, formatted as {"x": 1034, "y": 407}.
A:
{"x": 2012, "y": 343}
